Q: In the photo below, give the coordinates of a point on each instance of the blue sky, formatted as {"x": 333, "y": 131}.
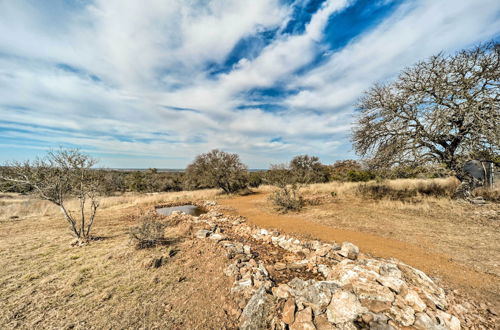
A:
{"x": 153, "y": 83}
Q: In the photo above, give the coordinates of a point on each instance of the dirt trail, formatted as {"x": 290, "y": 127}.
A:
{"x": 456, "y": 275}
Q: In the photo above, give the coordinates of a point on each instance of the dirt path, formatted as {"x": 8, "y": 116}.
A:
{"x": 456, "y": 275}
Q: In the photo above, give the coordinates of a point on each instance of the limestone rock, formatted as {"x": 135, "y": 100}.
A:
{"x": 281, "y": 291}
{"x": 304, "y": 315}
{"x": 393, "y": 283}
{"x": 321, "y": 323}
{"x": 424, "y": 322}
{"x": 375, "y": 297}
{"x": 258, "y": 312}
{"x": 312, "y": 293}
{"x": 344, "y": 307}
{"x": 414, "y": 301}
{"x": 402, "y": 313}
{"x": 202, "y": 233}
{"x": 288, "y": 314}
{"x": 303, "y": 326}
{"x": 451, "y": 321}
{"x": 349, "y": 250}
{"x": 217, "y": 237}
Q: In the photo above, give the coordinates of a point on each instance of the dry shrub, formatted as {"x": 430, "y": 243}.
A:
{"x": 381, "y": 190}
{"x": 400, "y": 191}
{"x": 149, "y": 234}
{"x": 287, "y": 198}
{"x": 489, "y": 194}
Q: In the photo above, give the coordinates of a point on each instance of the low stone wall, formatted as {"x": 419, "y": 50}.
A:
{"x": 282, "y": 282}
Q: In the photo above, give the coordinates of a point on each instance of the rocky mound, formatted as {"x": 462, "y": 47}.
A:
{"x": 282, "y": 282}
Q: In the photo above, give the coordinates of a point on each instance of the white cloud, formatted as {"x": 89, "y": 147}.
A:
{"x": 152, "y": 56}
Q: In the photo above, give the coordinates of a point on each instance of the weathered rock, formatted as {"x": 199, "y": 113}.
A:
{"x": 324, "y": 270}
{"x": 231, "y": 270}
{"x": 312, "y": 293}
{"x": 304, "y": 315}
{"x": 217, "y": 237}
{"x": 389, "y": 269}
{"x": 393, "y": 283}
{"x": 349, "y": 250}
{"x": 242, "y": 285}
{"x": 413, "y": 300}
{"x": 258, "y": 312}
{"x": 281, "y": 291}
{"x": 288, "y": 314}
{"x": 303, "y": 326}
{"x": 279, "y": 266}
{"x": 344, "y": 307}
{"x": 321, "y": 323}
{"x": 427, "y": 289}
{"x": 451, "y": 321}
{"x": 202, "y": 233}
{"x": 323, "y": 251}
{"x": 402, "y": 313}
{"x": 375, "y": 297}
{"x": 424, "y": 322}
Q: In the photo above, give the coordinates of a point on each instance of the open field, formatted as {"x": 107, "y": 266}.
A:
{"x": 46, "y": 283}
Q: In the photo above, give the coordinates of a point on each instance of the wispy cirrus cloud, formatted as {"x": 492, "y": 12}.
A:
{"x": 153, "y": 83}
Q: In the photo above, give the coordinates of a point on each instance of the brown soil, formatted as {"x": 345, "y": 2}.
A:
{"x": 452, "y": 274}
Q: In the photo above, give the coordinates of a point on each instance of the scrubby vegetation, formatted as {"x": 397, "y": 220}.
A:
{"x": 149, "y": 233}
{"x": 383, "y": 190}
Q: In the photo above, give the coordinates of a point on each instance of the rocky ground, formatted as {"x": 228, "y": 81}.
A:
{"x": 282, "y": 282}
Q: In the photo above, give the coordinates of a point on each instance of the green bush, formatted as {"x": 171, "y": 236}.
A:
{"x": 217, "y": 169}
{"x": 359, "y": 176}
{"x": 255, "y": 179}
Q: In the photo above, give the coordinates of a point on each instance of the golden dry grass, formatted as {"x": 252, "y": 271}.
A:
{"x": 46, "y": 283}
{"x": 15, "y": 205}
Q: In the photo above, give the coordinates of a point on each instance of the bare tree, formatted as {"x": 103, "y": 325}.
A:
{"x": 218, "y": 169}
{"x": 439, "y": 110}
{"x": 58, "y": 176}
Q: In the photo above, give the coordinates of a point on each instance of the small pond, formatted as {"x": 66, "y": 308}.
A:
{"x": 188, "y": 209}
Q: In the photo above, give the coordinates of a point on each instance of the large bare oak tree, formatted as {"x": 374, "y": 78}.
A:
{"x": 61, "y": 175}
{"x": 439, "y": 110}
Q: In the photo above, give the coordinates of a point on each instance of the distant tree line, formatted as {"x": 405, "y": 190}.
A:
{"x": 218, "y": 170}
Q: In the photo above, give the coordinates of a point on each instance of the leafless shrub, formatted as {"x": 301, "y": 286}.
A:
{"x": 62, "y": 174}
{"x": 287, "y": 198}
{"x": 489, "y": 194}
{"x": 149, "y": 233}
{"x": 385, "y": 191}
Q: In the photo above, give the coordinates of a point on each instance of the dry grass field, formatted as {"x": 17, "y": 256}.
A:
{"x": 46, "y": 283}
